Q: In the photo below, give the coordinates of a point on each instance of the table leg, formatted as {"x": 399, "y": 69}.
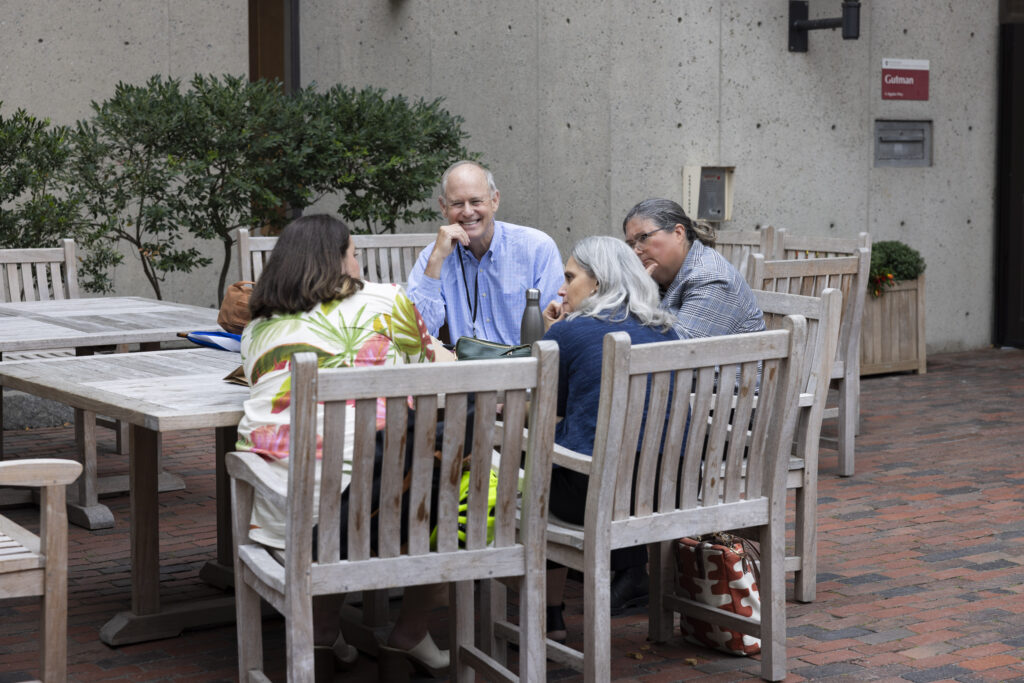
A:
{"x": 220, "y": 572}
{"x": 84, "y": 508}
{"x": 146, "y": 620}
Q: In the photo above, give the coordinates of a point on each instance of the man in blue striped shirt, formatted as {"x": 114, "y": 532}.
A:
{"x": 475, "y": 275}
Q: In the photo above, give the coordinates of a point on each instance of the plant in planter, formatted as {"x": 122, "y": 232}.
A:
{"x": 892, "y": 261}
{"x": 893, "y": 329}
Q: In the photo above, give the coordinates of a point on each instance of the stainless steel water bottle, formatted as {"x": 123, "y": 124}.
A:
{"x": 532, "y": 327}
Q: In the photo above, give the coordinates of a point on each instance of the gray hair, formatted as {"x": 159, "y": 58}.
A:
{"x": 491, "y": 187}
{"x": 623, "y": 286}
{"x": 666, "y": 214}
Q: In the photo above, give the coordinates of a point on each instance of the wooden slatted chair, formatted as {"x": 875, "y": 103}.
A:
{"x": 810, "y": 277}
{"x": 32, "y": 565}
{"x": 737, "y": 245}
{"x": 46, "y": 274}
{"x": 42, "y": 274}
{"x": 383, "y": 258}
{"x": 672, "y": 500}
{"x": 791, "y": 246}
{"x": 290, "y": 587}
{"x": 822, "y": 315}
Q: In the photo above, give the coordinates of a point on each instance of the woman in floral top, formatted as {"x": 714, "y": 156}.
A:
{"x": 310, "y": 298}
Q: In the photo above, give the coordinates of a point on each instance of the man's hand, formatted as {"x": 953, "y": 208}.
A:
{"x": 651, "y": 268}
{"x": 447, "y": 237}
{"x": 553, "y": 312}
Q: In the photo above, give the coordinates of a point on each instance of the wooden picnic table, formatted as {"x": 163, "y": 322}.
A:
{"x": 64, "y": 327}
{"x": 154, "y": 392}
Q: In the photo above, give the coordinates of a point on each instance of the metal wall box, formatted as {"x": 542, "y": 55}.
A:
{"x": 707, "y": 192}
{"x": 903, "y": 143}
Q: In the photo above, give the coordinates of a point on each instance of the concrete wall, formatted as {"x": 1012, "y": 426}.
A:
{"x": 58, "y": 56}
{"x": 583, "y": 108}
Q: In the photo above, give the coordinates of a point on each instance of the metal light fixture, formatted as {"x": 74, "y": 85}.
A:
{"x": 799, "y": 24}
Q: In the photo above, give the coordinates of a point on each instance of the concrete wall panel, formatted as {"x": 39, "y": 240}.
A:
{"x": 57, "y": 57}
{"x": 945, "y": 211}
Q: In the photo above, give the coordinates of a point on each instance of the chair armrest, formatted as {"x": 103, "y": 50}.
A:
{"x": 254, "y": 470}
{"x": 565, "y": 457}
{"x": 561, "y": 455}
{"x": 39, "y": 472}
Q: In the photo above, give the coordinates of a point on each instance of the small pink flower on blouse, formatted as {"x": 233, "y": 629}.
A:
{"x": 271, "y": 441}
{"x": 374, "y": 351}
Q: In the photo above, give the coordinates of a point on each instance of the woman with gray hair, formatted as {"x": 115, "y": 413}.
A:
{"x": 606, "y": 290}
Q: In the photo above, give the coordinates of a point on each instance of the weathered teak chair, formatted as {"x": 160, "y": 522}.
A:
{"x": 822, "y": 315}
{"x": 253, "y": 252}
{"x": 32, "y": 565}
{"x": 672, "y": 500}
{"x": 290, "y": 587}
{"x": 383, "y": 258}
{"x": 39, "y": 274}
{"x": 810, "y": 277}
{"x": 790, "y": 246}
{"x": 737, "y": 246}
{"x": 49, "y": 274}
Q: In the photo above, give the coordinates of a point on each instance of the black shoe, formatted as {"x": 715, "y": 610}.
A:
{"x": 556, "y": 623}
{"x": 630, "y": 588}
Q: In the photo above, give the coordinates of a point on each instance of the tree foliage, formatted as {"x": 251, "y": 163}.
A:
{"x": 33, "y": 210}
{"x": 156, "y": 163}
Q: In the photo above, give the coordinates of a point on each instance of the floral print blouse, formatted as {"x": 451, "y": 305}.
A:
{"x": 378, "y": 325}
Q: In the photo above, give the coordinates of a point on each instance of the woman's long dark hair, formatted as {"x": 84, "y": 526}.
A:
{"x": 305, "y": 268}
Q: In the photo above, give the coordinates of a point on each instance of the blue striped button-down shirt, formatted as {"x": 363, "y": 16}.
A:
{"x": 518, "y": 258}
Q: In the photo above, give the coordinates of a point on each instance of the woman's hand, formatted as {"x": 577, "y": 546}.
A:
{"x": 553, "y": 312}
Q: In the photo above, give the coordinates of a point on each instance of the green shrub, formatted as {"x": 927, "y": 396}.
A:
{"x": 34, "y": 212}
{"x": 156, "y": 163}
{"x": 892, "y": 261}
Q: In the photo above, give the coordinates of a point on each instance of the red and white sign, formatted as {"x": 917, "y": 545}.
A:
{"x": 904, "y": 79}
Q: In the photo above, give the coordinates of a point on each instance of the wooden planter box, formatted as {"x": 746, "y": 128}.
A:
{"x": 892, "y": 331}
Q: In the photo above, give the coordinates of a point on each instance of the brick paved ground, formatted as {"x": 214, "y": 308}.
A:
{"x": 921, "y": 570}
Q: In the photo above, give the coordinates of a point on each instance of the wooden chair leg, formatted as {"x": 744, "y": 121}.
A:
{"x": 533, "y": 624}
{"x": 54, "y": 539}
{"x": 460, "y": 628}
{"x": 597, "y": 606}
{"x": 847, "y": 427}
{"x": 298, "y": 636}
{"x": 247, "y": 601}
{"x": 493, "y": 608}
{"x": 773, "y": 601}
{"x": 660, "y": 619}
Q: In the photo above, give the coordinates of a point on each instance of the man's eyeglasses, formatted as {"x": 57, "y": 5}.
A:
{"x": 641, "y": 239}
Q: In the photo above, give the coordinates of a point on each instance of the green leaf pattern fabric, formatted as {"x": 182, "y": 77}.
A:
{"x": 378, "y": 325}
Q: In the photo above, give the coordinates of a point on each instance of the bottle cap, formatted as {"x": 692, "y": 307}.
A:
{"x": 533, "y": 294}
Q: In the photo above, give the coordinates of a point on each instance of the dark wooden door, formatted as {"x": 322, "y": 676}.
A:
{"x": 274, "y": 41}
{"x": 1009, "y": 308}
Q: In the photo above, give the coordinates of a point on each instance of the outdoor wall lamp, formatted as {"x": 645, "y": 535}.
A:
{"x": 799, "y": 24}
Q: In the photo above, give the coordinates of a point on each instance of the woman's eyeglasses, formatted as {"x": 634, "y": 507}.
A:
{"x": 641, "y": 239}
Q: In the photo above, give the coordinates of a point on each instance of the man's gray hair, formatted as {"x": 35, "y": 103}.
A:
{"x": 491, "y": 187}
{"x": 623, "y": 286}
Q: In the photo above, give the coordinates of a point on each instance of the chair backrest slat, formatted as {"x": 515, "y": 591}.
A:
{"x": 41, "y": 274}
{"x": 790, "y": 246}
{"x": 399, "y": 520}
{"x": 383, "y": 258}
{"x": 811, "y": 277}
{"x": 723, "y": 375}
{"x": 738, "y": 245}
